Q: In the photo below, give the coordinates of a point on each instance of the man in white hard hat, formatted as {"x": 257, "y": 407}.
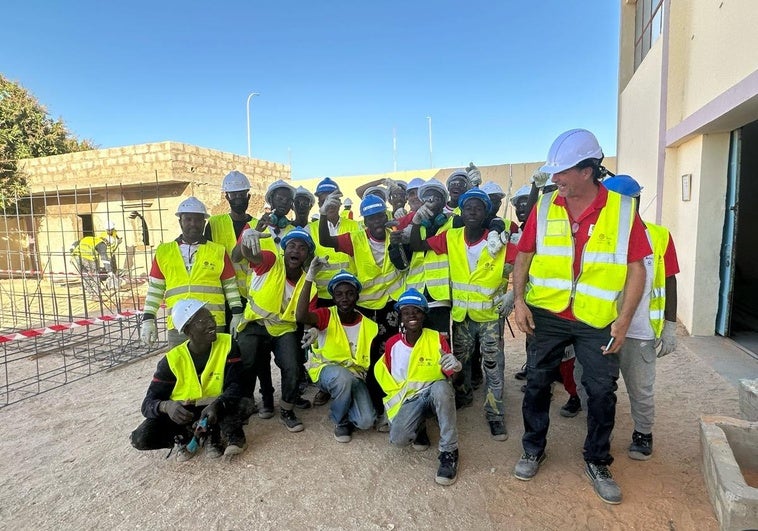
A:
{"x": 190, "y": 267}
{"x": 581, "y": 250}
{"x": 302, "y": 205}
{"x": 198, "y": 381}
{"x": 347, "y": 210}
{"x": 281, "y": 196}
{"x": 414, "y": 202}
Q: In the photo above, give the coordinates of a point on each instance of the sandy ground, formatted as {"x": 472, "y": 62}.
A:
{"x": 68, "y": 465}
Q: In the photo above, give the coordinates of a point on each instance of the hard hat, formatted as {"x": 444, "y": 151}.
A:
{"x": 377, "y": 191}
{"x": 110, "y": 225}
{"x": 235, "y": 181}
{"x": 414, "y": 184}
{"x": 340, "y": 278}
{"x": 191, "y": 205}
{"x": 492, "y": 188}
{"x": 302, "y": 191}
{"x": 624, "y": 185}
{"x": 183, "y": 311}
{"x": 348, "y": 202}
{"x": 457, "y": 174}
{"x": 372, "y": 204}
{"x": 412, "y": 297}
{"x": 433, "y": 184}
{"x": 521, "y": 192}
{"x": 275, "y": 186}
{"x": 326, "y": 186}
{"x": 402, "y": 184}
{"x": 298, "y": 234}
{"x": 475, "y": 193}
{"x": 571, "y": 148}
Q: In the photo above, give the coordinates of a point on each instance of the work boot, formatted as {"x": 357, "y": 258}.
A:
{"x": 266, "y": 410}
{"x": 602, "y": 481}
{"x": 572, "y": 407}
{"x": 521, "y": 375}
{"x": 343, "y": 432}
{"x": 182, "y": 454}
{"x": 421, "y": 442}
{"x": 528, "y": 466}
{"x": 497, "y": 430}
{"x": 290, "y": 420}
{"x": 302, "y": 403}
{"x": 382, "y": 424}
{"x": 237, "y": 443}
{"x": 641, "y": 448}
{"x": 214, "y": 447}
{"x": 321, "y": 398}
{"x": 448, "y": 470}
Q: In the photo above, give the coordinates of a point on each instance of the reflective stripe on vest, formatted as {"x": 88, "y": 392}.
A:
{"x": 337, "y": 261}
{"x": 473, "y": 293}
{"x": 379, "y": 283}
{"x": 222, "y": 231}
{"x": 594, "y": 293}
{"x": 659, "y": 239}
{"x": 211, "y": 381}
{"x": 336, "y": 349}
{"x": 203, "y": 282}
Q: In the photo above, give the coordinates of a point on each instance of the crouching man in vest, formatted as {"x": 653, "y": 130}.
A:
{"x": 199, "y": 380}
{"x": 269, "y": 319}
{"x": 414, "y": 372}
{"x": 340, "y": 354}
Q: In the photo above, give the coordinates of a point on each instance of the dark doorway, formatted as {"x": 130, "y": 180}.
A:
{"x": 88, "y": 228}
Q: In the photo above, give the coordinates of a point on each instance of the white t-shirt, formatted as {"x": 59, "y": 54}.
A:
{"x": 401, "y": 355}
{"x": 188, "y": 251}
{"x": 473, "y": 252}
{"x": 351, "y": 331}
{"x": 377, "y": 250}
{"x": 640, "y": 327}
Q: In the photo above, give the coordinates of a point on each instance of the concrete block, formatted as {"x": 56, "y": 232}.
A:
{"x": 730, "y": 467}
{"x": 749, "y": 399}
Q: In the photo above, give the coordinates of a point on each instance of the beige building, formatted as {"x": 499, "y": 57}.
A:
{"x": 688, "y": 131}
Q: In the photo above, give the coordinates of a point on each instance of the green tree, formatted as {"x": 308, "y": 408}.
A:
{"x": 27, "y": 131}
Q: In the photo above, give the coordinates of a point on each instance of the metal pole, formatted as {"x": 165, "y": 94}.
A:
{"x": 431, "y": 162}
{"x": 247, "y": 107}
{"x": 394, "y": 150}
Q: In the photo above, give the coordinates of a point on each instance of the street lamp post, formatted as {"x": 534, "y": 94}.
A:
{"x": 431, "y": 163}
{"x": 247, "y": 106}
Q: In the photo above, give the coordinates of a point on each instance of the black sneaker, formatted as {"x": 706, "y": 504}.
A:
{"x": 528, "y": 466}
{"x": 421, "y": 442}
{"x": 602, "y": 481}
{"x": 572, "y": 407}
{"x": 343, "y": 433}
{"x": 302, "y": 403}
{"x": 641, "y": 448}
{"x": 521, "y": 375}
{"x": 214, "y": 448}
{"x": 497, "y": 430}
{"x": 448, "y": 470}
{"x": 266, "y": 410}
{"x": 237, "y": 443}
{"x": 321, "y": 398}
{"x": 290, "y": 420}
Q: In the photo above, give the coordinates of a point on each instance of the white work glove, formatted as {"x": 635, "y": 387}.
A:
{"x": 237, "y": 319}
{"x": 399, "y": 213}
{"x": 449, "y": 363}
{"x": 539, "y": 178}
{"x": 423, "y": 213}
{"x": 309, "y": 337}
{"x": 494, "y": 243}
{"x": 668, "y": 338}
{"x": 317, "y": 264}
{"x": 251, "y": 239}
{"x": 148, "y": 332}
{"x": 331, "y": 202}
{"x": 474, "y": 175}
{"x": 515, "y": 237}
{"x": 505, "y": 303}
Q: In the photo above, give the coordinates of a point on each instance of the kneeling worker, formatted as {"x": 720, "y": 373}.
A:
{"x": 198, "y": 380}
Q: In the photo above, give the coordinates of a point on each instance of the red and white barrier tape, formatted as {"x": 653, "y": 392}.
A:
{"x": 26, "y": 334}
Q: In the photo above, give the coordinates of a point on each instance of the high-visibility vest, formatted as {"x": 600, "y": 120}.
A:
{"x": 474, "y": 292}
{"x": 266, "y": 298}
{"x": 594, "y": 294}
{"x": 659, "y": 238}
{"x": 347, "y": 214}
{"x": 86, "y": 248}
{"x": 336, "y": 348}
{"x": 423, "y": 371}
{"x": 431, "y": 271}
{"x": 222, "y": 231}
{"x": 337, "y": 260}
{"x": 211, "y": 382}
{"x": 203, "y": 282}
{"x": 380, "y": 284}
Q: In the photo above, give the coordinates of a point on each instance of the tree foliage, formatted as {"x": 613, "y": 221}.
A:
{"x": 27, "y": 131}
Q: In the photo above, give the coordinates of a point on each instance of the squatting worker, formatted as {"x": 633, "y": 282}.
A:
{"x": 581, "y": 249}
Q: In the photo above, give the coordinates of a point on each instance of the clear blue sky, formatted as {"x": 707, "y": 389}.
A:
{"x": 500, "y": 79}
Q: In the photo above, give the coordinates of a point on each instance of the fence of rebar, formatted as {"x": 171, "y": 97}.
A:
{"x": 64, "y": 314}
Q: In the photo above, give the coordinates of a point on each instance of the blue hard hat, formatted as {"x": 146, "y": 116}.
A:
{"x": 624, "y": 185}
{"x": 326, "y": 186}
{"x": 372, "y": 204}
{"x": 298, "y": 234}
{"x": 415, "y": 183}
{"x": 412, "y": 297}
{"x": 339, "y": 278}
{"x": 475, "y": 193}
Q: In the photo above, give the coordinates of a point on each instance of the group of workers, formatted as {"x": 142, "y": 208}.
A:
{"x": 398, "y": 318}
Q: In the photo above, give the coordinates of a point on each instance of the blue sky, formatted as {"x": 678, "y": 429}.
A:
{"x": 500, "y": 79}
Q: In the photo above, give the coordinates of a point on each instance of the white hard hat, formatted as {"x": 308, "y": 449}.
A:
{"x": 275, "y": 186}
{"x": 348, "y": 202}
{"x": 110, "y": 225}
{"x": 521, "y": 192}
{"x": 191, "y": 205}
{"x": 302, "y": 191}
{"x": 492, "y": 188}
{"x": 183, "y": 311}
{"x": 571, "y": 148}
{"x": 235, "y": 181}
{"x": 433, "y": 184}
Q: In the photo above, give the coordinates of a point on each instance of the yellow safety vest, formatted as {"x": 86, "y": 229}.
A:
{"x": 423, "y": 370}
{"x": 474, "y": 293}
{"x": 337, "y": 260}
{"x": 345, "y": 214}
{"x": 86, "y": 248}
{"x": 659, "y": 238}
{"x": 203, "y": 282}
{"x": 594, "y": 294}
{"x": 336, "y": 348}
{"x": 211, "y": 381}
{"x": 266, "y": 299}
{"x": 431, "y": 271}
{"x": 379, "y": 283}
{"x": 222, "y": 231}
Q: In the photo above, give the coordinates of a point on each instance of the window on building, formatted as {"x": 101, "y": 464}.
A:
{"x": 648, "y": 25}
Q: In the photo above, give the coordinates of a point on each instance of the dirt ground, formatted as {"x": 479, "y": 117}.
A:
{"x": 68, "y": 465}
